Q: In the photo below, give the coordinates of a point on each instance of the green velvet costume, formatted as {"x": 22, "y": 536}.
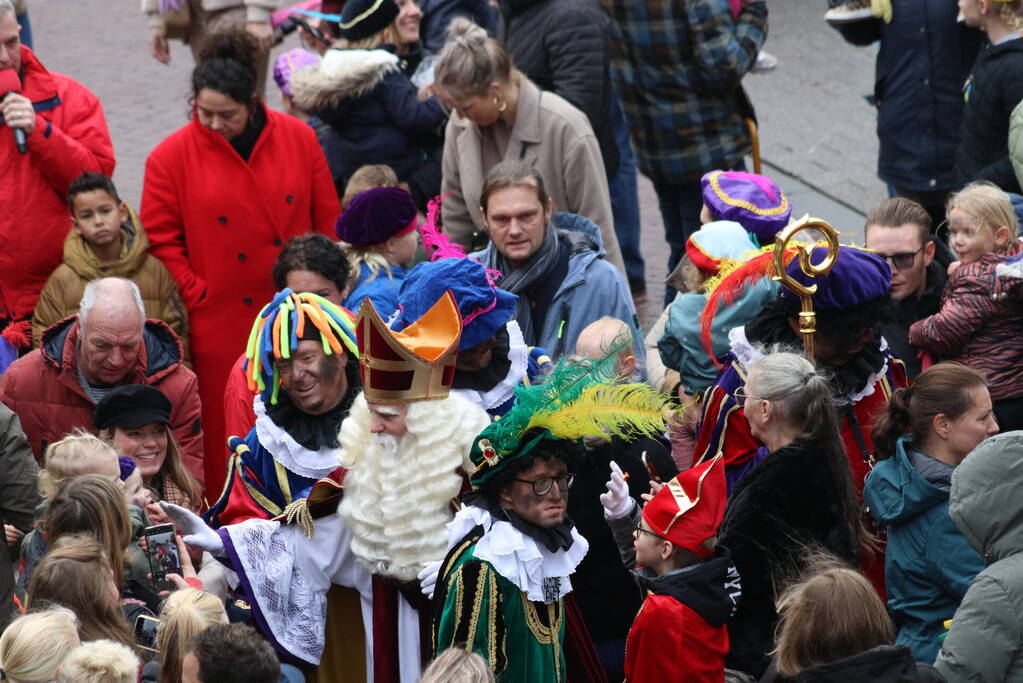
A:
{"x": 485, "y": 613}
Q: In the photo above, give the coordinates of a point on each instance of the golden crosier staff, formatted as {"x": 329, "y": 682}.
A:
{"x": 807, "y": 317}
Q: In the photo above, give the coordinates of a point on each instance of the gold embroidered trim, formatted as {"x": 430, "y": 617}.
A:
{"x": 776, "y": 211}
{"x": 492, "y": 624}
{"x": 545, "y": 635}
{"x": 458, "y": 603}
{"x": 282, "y": 481}
{"x": 474, "y": 616}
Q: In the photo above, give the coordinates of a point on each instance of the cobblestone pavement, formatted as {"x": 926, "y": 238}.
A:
{"x": 815, "y": 125}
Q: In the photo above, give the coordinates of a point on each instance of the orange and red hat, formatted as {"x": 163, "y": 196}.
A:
{"x": 688, "y": 509}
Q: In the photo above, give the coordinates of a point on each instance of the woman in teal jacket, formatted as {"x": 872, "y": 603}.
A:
{"x": 926, "y": 432}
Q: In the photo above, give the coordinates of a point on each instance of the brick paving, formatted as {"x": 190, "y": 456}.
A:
{"x": 815, "y": 125}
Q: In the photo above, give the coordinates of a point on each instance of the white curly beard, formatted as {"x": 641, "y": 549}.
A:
{"x": 398, "y": 494}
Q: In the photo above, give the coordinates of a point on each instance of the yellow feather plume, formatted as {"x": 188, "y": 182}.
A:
{"x": 624, "y": 410}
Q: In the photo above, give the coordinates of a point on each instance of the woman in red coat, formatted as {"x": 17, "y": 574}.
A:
{"x": 220, "y": 197}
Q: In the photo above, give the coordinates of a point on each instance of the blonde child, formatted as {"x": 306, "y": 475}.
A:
{"x": 101, "y": 661}
{"x": 379, "y": 235}
{"x": 974, "y": 326}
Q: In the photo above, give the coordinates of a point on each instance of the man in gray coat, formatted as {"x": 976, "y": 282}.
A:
{"x": 985, "y": 642}
{"x": 553, "y": 262}
{"x": 18, "y": 500}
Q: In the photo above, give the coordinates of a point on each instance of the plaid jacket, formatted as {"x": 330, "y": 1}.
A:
{"x": 677, "y": 65}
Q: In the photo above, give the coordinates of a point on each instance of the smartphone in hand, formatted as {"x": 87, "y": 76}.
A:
{"x": 162, "y": 550}
{"x": 145, "y": 632}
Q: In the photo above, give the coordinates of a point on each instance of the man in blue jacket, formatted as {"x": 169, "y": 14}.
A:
{"x": 553, "y": 262}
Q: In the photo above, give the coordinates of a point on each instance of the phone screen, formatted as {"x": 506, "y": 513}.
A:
{"x": 145, "y": 632}
{"x": 162, "y": 550}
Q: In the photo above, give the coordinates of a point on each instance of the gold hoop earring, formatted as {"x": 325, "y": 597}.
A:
{"x": 501, "y": 107}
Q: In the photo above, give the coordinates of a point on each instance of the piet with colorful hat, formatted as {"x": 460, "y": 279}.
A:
{"x": 378, "y": 230}
{"x": 690, "y": 583}
{"x": 512, "y": 548}
{"x": 303, "y": 360}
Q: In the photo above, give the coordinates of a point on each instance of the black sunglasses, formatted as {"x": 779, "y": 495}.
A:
{"x": 903, "y": 260}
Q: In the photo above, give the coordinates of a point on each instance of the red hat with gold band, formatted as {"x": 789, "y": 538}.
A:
{"x": 416, "y": 364}
{"x": 688, "y": 509}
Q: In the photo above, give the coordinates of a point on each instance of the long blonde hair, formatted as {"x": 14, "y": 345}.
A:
{"x": 35, "y": 645}
{"x": 77, "y": 453}
{"x": 185, "y": 613}
{"x": 93, "y": 505}
{"x": 833, "y": 614}
{"x": 74, "y": 574}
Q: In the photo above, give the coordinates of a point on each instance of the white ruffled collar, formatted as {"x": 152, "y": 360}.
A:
{"x": 519, "y": 558}
{"x": 295, "y": 457}
{"x": 746, "y": 352}
{"x": 518, "y": 354}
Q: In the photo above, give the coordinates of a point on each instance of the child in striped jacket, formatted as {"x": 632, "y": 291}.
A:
{"x": 976, "y": 325}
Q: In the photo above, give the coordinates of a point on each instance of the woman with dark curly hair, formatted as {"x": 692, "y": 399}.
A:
{"x": 220, "y": 197}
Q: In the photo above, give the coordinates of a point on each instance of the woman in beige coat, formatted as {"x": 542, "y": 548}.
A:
{"x": 499, "y": 114}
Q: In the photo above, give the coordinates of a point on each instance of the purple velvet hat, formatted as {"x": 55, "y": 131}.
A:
{"x": 290, "y": 62}
{"x": 753, "y": 201}
{"x": 377, "y": 215}
{"x": 857, "y": 276}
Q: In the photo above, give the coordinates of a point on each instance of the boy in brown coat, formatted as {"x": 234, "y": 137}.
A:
{"x": 106, "y": 240}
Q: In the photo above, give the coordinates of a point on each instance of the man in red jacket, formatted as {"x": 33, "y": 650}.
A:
{"x": 55, "y": 388}
{"x": 66, "y": 135}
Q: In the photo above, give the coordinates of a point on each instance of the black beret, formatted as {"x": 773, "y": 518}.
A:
{"x": 132, "y": 406}
{"x": 362, "y": 18}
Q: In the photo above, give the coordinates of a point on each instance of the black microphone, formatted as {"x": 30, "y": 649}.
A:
{"x": 9, "y": 82}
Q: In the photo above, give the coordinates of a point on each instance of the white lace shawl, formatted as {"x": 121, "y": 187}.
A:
{"x": 288, "y": 576}
{"x": 291, "y": 454}
{"x": 517, "y": 557}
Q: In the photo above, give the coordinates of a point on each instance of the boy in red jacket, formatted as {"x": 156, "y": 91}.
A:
{"x": 692, "y": 587}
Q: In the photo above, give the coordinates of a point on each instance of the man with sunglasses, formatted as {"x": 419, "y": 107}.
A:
{"x": 899, "y": 230}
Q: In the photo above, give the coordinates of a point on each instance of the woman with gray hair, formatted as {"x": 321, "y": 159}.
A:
{"x": 799, "y": 496}
{"x": 500, "y": 115}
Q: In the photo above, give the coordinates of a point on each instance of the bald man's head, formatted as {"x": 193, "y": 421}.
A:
{"x": 111, "y": 320}
{"x": 604, "y": 336}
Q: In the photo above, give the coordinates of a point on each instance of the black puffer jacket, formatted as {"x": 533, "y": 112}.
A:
{"x": 564, "y": 47}
{"x": 992, "y": 91}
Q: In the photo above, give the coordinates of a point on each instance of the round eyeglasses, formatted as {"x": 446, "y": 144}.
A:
{"x": 543, "y": 485}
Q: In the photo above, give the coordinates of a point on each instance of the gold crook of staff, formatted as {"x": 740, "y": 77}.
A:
{"x": 807, "y": 317}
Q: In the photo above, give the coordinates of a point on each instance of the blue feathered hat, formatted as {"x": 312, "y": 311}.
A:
{"x": 485, "y": 308}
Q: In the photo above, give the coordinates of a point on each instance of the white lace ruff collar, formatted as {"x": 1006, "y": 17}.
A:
{"x": 542, "y": 575}
{"x": 295, "y": 457}
{"x": 518, "y": 354}
{"x": 746, "y": 352}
